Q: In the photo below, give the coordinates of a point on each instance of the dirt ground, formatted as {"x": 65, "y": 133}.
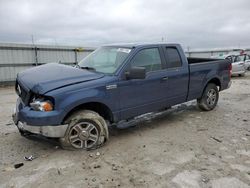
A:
{"x": 184, "y": 148}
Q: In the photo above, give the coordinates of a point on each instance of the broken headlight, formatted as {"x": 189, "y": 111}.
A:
{"x": 41, "y": 104}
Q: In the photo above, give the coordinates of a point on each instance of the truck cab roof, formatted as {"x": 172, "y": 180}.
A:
{"x": 135, "y": 45}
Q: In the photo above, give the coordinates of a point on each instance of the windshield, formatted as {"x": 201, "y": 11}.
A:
{"x": 105, "y": 59}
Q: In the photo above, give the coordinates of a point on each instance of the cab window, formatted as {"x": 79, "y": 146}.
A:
{"x": 149, "y": 59}
{"x": 173, "y": 57}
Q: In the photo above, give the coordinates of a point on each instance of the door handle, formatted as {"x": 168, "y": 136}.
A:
{"x": 164, "y": 78}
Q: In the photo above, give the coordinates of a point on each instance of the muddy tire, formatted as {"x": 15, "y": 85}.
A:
{"x": 87, "y": 130}
{"x": 209, "y": 98}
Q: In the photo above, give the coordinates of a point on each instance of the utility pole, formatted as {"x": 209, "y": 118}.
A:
{"x": 32, "y": 39}
{"x": 188, "y": 50}
{"x": 163, "y": 39}
{"x": 35, "y": 49}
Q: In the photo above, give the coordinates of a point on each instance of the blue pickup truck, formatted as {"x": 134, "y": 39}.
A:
{"x": 113, "y": 84}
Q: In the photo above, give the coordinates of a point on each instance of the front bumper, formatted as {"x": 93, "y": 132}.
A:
{"x": 48, "y": 131}
{"x": 37, "y": 125}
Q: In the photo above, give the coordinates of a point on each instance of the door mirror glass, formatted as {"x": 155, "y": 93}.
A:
{"x": 136, "y": 73}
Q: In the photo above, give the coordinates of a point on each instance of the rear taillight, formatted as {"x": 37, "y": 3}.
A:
{"x": 230, "y": 70}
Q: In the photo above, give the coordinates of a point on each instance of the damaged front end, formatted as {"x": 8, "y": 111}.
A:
{"x": 33, "y": 112}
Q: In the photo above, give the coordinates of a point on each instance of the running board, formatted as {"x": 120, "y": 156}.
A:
{"x": 152, "y": 115}
{"x": 141, "y": 118}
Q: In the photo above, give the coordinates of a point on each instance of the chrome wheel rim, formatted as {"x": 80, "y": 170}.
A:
{"x": 211, "y": 97}
{"x": 83, "y": 135}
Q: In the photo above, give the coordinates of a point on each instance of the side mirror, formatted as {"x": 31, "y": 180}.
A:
{"x": 136, "y": 73}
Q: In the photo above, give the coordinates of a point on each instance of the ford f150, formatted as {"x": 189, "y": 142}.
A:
{"x": 113, "y": 84}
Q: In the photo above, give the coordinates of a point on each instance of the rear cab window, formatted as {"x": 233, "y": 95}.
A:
{"x": 173, "y": 57}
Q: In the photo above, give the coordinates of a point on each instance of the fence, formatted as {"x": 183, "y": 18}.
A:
{"x": 18, "y": 57}
{"x": 215, "y": 52}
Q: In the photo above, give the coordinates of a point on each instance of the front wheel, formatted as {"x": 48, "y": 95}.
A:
{"x": 209, "y": 98}
{"x": 87, "y": 130}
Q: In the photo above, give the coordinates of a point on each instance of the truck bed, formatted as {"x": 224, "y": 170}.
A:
{"x": 200, "y": 70}
{"x": 192, "y": 60}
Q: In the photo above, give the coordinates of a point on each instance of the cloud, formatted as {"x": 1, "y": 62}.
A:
{"x": 193, "y": 23}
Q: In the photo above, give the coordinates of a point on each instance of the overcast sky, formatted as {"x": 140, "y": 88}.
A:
{"x": 194, "y": 23}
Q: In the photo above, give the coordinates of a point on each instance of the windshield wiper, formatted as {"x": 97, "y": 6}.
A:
{"x": 77, "y": 66}
{"x": 88, "y": 68}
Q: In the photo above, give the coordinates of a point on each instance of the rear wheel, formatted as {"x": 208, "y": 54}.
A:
{"x": 209, "y": 98}
{"x": 87, "y": 130}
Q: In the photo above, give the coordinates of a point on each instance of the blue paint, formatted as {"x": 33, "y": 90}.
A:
{"x": 70, "y": 87}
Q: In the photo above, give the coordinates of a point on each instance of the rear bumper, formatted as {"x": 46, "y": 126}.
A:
{"x": 239, "y": 72}
{"x": 229, "y": 84}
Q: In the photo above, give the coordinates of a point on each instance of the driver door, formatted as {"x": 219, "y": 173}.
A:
{"x": 139, "y": 96}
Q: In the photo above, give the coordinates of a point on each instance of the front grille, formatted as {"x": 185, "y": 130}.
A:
{"x": 22, "y": 93}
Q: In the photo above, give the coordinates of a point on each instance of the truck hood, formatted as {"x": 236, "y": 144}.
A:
{"x": 52, "y": 76}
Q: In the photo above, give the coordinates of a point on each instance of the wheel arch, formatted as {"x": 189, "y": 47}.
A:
{"x": 98, "y": 107}
{"x": 215, "y": 81}
{"x": 203, "y": 102}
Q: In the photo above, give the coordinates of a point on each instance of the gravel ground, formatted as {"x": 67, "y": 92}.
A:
{"x": 183, "y": 148}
